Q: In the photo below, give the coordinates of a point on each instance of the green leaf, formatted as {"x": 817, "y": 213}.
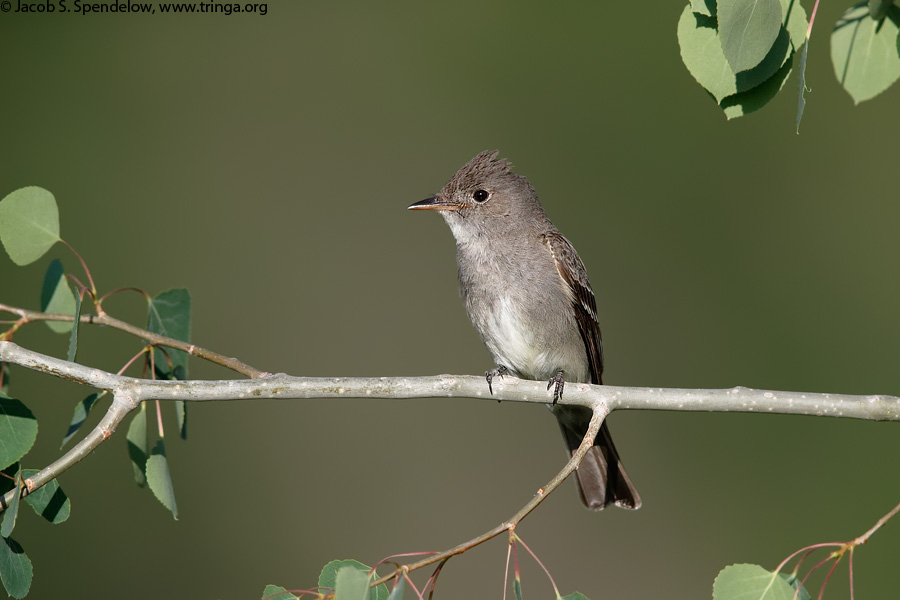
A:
{"x": 329, "y": 572}
{"x": 747, "y": 30}
{"x": 276, "y": 592}
{"x": 517, "y": 588}
{"x": 18, "y": 430}
{"x": 73, "y": 337}
{"x": 795, "y": 22}
{"x": 397, "y": 592}
{"x": 864, "y": 52}
{"x": 792, "y": 580}
{"x": 351, "y": 584}
{"x": 137, "y": 444}
{"x": 49, "y": 500}
{"x": 160, "y": 479}
{"x": 751, "y": 100}
{"x": 181, "y": 415}
{"x": 801, "y": 82}
{"x": 29, "y": 224}
{"x": 80, "y": 415}
{"x": 328, "y": 577}
{"x": 878, "y": 9}
{"x": 170, "y": 315}
{"x": 57, "y": 297}
{"x": 15, "y": 568}
{"x": 750, "y": 582}
{"x": 575, "y": 596}
{"x": 379, "y": 592}
{"x": 703, "y": 56}
{"x": 11, "y": 513}
{"x": 779, "y": 54}
{"x": 704, "y": 7}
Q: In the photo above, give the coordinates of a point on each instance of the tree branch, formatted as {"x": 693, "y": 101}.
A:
{"x": 281, "y": 386}
{"x": 129, "y": 392}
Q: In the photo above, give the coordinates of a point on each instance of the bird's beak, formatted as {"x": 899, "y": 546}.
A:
{"x": 433, "y": 203}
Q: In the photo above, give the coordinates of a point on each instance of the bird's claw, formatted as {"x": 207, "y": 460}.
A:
{"x": 559, "y": 381}
{"x": 489, "y": 376}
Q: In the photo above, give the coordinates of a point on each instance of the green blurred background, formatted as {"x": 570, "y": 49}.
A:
{"x": 265, "y": 163}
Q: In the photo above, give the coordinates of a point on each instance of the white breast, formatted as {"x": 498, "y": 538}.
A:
{"x": 512, "y": 346}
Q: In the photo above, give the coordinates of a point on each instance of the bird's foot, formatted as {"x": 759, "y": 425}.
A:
{"x": 559, "y": 382}
{"x": 489, "y": 375}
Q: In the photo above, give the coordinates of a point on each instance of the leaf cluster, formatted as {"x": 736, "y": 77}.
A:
{"x": 29, "y": 228}
{"x": 742, "y": 51}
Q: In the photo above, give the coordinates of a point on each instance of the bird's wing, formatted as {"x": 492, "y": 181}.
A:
{"x": 572, "y": 271}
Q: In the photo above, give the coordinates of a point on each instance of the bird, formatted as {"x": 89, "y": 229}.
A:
{"x": 527, "y": 293}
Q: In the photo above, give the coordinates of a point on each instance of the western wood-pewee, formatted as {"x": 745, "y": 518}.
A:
{"x": 527, "y": 293}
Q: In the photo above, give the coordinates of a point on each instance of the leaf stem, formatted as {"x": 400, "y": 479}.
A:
{"x": 83, "y": 265}
{"x": 81, "y": 287}
{"x": 812, "y": 19}
{"x": 432, "y": 581}
{"x": 842, "y": 548}
{"x": 509, "y": 548}
{"x": 124, "y": 289}
{"x": 144, "y": 350}
{"x": 538, "y": 561}
{"x": 815, "y": 567}
{"x": 159, "y": 422}
{"x": 411, "y": 584}
{"x": 827, "y": 578}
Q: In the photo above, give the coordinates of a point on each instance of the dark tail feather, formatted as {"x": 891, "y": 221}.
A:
{"x": 601, "y": 478}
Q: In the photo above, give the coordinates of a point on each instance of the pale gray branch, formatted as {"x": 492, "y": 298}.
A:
{"x": 130, "y": 392}
{"x": 280, "y": 386}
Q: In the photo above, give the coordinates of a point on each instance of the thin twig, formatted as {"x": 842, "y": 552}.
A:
{"x": 600, "y": 412}
{"x": 154, "y": 338}
{"x": 878, "y": 525}
{"x": 122, "y": 405}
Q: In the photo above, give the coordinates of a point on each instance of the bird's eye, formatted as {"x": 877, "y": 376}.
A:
{"x": 480, "y": 196}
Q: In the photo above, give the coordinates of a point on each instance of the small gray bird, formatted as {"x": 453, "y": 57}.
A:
{"x": 527, "y": 293}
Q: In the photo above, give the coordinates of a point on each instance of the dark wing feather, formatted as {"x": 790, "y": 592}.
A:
{"x": 572, "y": 270}
{"x": 601, "y": 477}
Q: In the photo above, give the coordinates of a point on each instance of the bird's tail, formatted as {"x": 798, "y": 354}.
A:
{"x": 601, "y": 478}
